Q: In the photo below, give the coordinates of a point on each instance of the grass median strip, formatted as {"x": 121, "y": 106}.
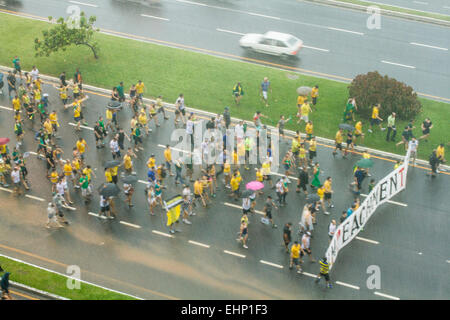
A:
{"x": 206, "y": 82}
{"x": 55, "y": 283}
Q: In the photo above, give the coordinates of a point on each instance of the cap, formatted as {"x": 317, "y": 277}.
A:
{"x": 308, "y": 233}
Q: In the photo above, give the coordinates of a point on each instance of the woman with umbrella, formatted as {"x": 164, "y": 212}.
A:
{"x": 316, "y": 172}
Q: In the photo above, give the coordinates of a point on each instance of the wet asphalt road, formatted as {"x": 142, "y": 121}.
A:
{"x": 338, "y": 41}
{"x": 411, "y": 241}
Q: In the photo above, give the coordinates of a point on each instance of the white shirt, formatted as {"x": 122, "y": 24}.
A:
{"x": 189, "y": 127}
{"x": 305, "y": 242}
{"x": 15, "y": 176}
{"x": 180, "y": 101}
{"x": 246, "y": 203}
{"x": 279, "y": 187}
{"x": 60, "y": 188}
{"x": 332, "y": 229}
{"x": 114, "y": 145}
{"x": 187, "y": 193}
{"x": 103, "y": 202}
{"x": 34, "y": 74}
{"x": 413, "y": 145}
{"x": 239, "y": 131}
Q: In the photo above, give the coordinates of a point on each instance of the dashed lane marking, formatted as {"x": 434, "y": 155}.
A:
{"x": 309, "y": 274}
{"x": 386, "y": 295}
{"x": 7, "y": 190}
{"x": 84, "y": 4}
{"x": 234, "y": 254}
{"x": 163, "y": 234}
{"x": 271, "y": 264}
{"x": 199, "y": 244}
{"x": 96, "y": 215}
{"x": 34, "y": 198}
{"x": 347, "y": 285}
{"x": 367, "y": 240}
{"x": 398, "y": 64}
{"x": 345, "y": 30}
{"x": 229, "y": 31}
{"x": 159, "y": 18}
{"x": 428, "y": 46}
{"x": 130, "y": 224}
{"x": 81, "y": 126}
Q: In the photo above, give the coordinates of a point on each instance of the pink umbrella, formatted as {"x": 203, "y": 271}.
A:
{"x": 3, "y": 141}
{"x": 255, "y": 185}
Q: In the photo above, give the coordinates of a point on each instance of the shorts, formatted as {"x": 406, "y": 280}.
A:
{"x": 137, "y": 139}
{"x": 104, "y": 209}
{"x": 426, "y": 131}
{"x": 314, "y": 100}
{"x": 269, "y": 214}
{"x": 339, "y": 146}
{"x": 374, "y": 121}
{"x": 349, "y": 142}
{"x": 326, "y": 276}
{"x": 236, "y": 94}
{"x": 308, "y": 252}
{"x": 245, "y": 210}
{"x": 196, "y": 196}
{"x": 286, "y": 166}
{"x": 296, "y": 261}
{"x": 264, "y": 93}
{"x": 312, "y": 154}
{"x": 281, "y": 131}
{"x": 77, "y": 119}
{"x": 183, "y": 111}
{"x": 413, "y": 154}
{"x": 327, "y": 196}
{"x": 304, "y": 118}
{"x": 114, "y": 179}
{"x": 168, "y": 165}
{"x": 302, "y": 186}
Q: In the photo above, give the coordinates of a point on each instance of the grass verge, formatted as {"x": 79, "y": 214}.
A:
{"x": 205, "y": 81}
{"x": 399, "y": 9}
{"x": 54, "y": 283}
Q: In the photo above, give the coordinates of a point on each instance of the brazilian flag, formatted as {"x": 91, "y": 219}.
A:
{"x": 173, "y": 208}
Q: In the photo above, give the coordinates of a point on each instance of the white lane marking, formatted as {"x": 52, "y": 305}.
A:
{"x": 143, "y": 181}
{"x": 419, "y": 253}
{"x": 398, "y": 64}
{"x": 232, "y": 32}
{"x": 81, "y": 126}
{"x": 35, "y": 198}
{"x": 314, "y": 48}
{"x": 6, "y": 108}
{"x": 428, "y": 46}
{"x": 234, "y": 254}
{"x": 70, "y": 208}
{"x": 130, "y": 224}
{"x": 281, "y": 175}
{"x": 386, "y": 295}
{"x": 239, "y": 207}
{"x": 84, "y": 4}
{"x": 199, "y": 244}
{"x": 448, "y": 261}
{"x": 367, "y": 240}
{"x": 262, "y": 15}
{"x": 96, "y": 215}
{"x": 347, "y": 285}
{"x": 309, "y": 274}
{"x": 159, "y": 18}
{"x": 344, "y": 30}
{"x": 271, "y": 264}
{"x": 162, "y": 234}
{"x": 7, "y": 190}
{"x": 446, "y": 7}
{"x": 420, "y": 2}
{"x": 390, "y": 201}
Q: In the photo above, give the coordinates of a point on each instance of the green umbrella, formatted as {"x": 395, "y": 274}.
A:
{"x": 365, "y": 163}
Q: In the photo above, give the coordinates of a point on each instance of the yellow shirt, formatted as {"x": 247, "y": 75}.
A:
{"x": 62, "y": 93}
{"x": 309, "y": 128}
{"x": 67, "y": 169}
{"x": 440, "y": 151}
{"x": 76, "y": 164}
{"x": 87, "y": 172}
{"x": 109, "y": 114}
{"x": 151, "y": 162}
{"x": 159, "y": 102}
{"x": 168, "y": 155}
{"x": 241, "y": 149}
{"x": 16, "y": 104}
{"x": 38, "y": 83}
{"x": 320, "y": 193}
{"x": 338, "y": 137}
{"x": 54, "y": 177}
{"x": 198, "y": 187}
{"x": 37, "y": 95}
{"x": 142, "y": 119}
{"x": 81, "y": 146}
{"x": 53, "y": 118}
{"x": 76, "y": 111}
{"x": 127, "y": 163}
{"x": 108, "y": 176}
{"x": 313, "y": 146}
{"x": 302, "y": 153}
{"x": 226, "y": 167}
{"x": 305, "y": 108}
{"x": 300, "y": 100}
{"x": 48, "y": 127}
{"x": 235, "y": 157}
{"x": 3, "y": 149}
{"x": 140, "y": 88}
{"x": 327, "y": 186}
{"x": 295, "y": 145}
{"x": 234, "y": 184}
{"x": 259, "y": 176}
{"x": 76, "y": 89}
{"x": 266, "y": 168}
{"x": 115, "y": 171}
{"x": 295, "y": 251}
{"x": 314, "y": 92}
{"x": 358, "y": 127}
{"x": 375, "y": 112}
{"x": 365, "y": 155}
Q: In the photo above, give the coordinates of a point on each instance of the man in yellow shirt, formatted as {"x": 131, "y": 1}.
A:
{"x": 234, "y": 183}
{"x": 16, "y": 103}
{"x": 305, "y": 109}
{"x": 440, "y": 155}
{"x": 140, "y": 90}
{"x": 328, "y": 191}
{"x": 127, "y": 161}
{"x": 198, "y": 191}
{"x": 375, "y": 119}
{"x": 300, "y": 100}
{"x": 108, "y": 175}
{"x": 151, "y": 162}
{"x": 54, "y": 179}
{"x": 227, "y": 174}
{"x": 309, "y": 130}
{"x": 53, "y": 116}
{"x": 295, "y": 256}
{"x": 359, "y": 132}
{"x": 168, "y": 158}
{"x": 338, "y": 142}
{"x": 314, "y": 95}
{"x": 312, "y": 149}
{"x": 82, "y": 147}
{"x": 265, "y": 169}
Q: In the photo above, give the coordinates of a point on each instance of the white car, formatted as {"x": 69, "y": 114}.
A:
{"x": 275, "y": 43}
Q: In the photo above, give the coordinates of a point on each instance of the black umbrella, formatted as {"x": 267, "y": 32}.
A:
{"x": 311, "y": 198}
{"x": 112, "y": 164}
{"x": 114, "y": 105}
{"x": 346, "y": 127}
{"x": 246, "y": 193}
{"x": 130, "y": 179}
{"x": 109, "y": 190}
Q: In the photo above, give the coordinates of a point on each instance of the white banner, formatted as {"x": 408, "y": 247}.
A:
{"x": 384, "y": 190}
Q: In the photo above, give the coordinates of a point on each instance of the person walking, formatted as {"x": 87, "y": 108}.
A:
{"x": 296, "y": 251}
{"x": 226, "y": 117}
{"x": 243, "y": 233}
{"x": 427, "y": 125}
{"x": 115, "y": 150}
{"x": 328, "y": 191}
{"x": 316, "y": 172}
{"x": 306, "y": 246}
{"x": 52, "y": 219}
{"x": 413, "y": 145}
{"x": 331, "y": 229}
{"x": 265, "y": 86}
{"x": 434, "y": 163}
{"x": 287, "y": 235}
{"x": 238, "y": 92}
{"x": 268, "y": 205}
{"x": 391, "y": 128}
{"x": 314, "y": 95}
{"x": 4, "y": 284}
{"x": 375, "y": 119}
{"x": 338, "y": 142}
{"x": 324, "y": 269}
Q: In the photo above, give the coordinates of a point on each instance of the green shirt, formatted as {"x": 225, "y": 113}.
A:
{"x": 16, "y": 63}
{"x": 41, "y": 108}
{"x": 391, "y": 121}
{"x": 84, "y": 182}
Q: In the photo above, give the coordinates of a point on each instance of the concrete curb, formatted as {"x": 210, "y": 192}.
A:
{"x": 290, "y": 133}
{"x": 383, "y": 11}
{"x": 31, "y": 290}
